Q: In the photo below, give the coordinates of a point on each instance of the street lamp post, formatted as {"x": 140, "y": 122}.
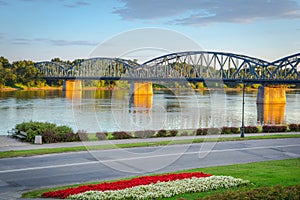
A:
{"x": 243, "y": 112}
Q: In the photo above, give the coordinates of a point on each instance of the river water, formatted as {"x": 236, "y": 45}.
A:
{"x": 111, "y": 110}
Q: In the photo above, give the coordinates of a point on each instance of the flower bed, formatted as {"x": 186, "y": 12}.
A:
{"x": 123, "y": 184}
{"x": 163, "y": 189}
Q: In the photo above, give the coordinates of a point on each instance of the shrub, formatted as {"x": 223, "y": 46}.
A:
{"x": 173, "y": 133}
{"x": 71, "y": 137}
{"x": 31, "y": 135}
{"x": 235, "y": 130}
{"x": 230, "y": 130}
{"x": 52, "y": 132}
{"x": 162, "y": 133}
{"x": 62, "y": 130}
{"x": 294, "y": 127}
{"x": 49, "y": 137}
{"x": 274, "y": 129}
{"x": 38, "y": 127}
{"x": 144, "y": 134}
{"x": 250, "y": 129}
{"x": 199, "y": 131}
{"x": 101, "y": 135}
{"x": 121, "y": 135}
{"x": 82, "y": 135}
{"x": 226, "y": 130}
{"x": 205, "y": 131}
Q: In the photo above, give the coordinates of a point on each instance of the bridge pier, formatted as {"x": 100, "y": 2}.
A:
{"x": 274, "y": 94}
{"x": 271, "y": 101}
{"x": 141, "y": 94}
{"x": 72, "y": 85}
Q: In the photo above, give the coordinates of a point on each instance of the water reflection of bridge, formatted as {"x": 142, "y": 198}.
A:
{"x": 211, "y": 68}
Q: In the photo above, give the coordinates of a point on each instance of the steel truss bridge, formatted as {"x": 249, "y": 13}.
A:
{"x": 192, "y": 66}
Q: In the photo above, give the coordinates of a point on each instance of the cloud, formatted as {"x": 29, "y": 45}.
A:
{"x": 65, "y": 3}
{"x": 199, "y": 12}
{"x": 21, "y": 41}
{"x": 3, "y": 3}
{"x": 77, "y": 4}
{"x": 25, "y": 41}
{"x": 72, "y": 43}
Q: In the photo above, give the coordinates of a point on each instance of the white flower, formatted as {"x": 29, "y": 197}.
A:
{"x": 163, "y": 189}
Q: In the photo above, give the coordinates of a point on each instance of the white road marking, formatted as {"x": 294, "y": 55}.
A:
{"x": 144, "y": 157}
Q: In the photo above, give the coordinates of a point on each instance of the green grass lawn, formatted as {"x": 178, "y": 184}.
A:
{"x": 260, "y": 174}
{"x": 268, "y": 173}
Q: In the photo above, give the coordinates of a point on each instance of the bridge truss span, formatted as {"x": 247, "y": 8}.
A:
{"x": 286, "y": 68}
{"x": 52, "y": 69}
{"x": 197, "y": 66}
{"x": 218, "y": 65}
{"x": 103, "y": 67}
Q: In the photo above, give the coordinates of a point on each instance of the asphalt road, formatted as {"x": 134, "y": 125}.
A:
{"x": 27, "y": 173}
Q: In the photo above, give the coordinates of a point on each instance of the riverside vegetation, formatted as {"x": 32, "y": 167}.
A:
{"x": 51, "y": 133}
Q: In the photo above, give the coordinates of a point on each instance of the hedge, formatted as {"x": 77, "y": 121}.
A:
{"x": 121, "y": 135}
{"x": 250, "y": 129}
{"x": 101, "y": 135}
{"x": 274, "y": 129}
{"x": 294, "y": 127}
{"x": 230, "y": 130}
{"x": 50, "y": 132}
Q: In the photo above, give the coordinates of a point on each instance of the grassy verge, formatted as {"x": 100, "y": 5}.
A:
{"x": 261, "y": 174}
{"x": 17, "y": 153}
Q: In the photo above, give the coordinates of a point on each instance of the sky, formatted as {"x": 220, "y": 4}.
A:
{"x": 40, "y": 30}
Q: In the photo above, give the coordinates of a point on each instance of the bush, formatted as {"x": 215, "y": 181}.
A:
{"x": 144, "y": 134}
{"x": 235, "y": 130}
{"x": 71, "y": 137}
{"x": 162, "y": 133}
{"x": 121, "y": 135}
{"x": 205, "y": 131}
{"x": 250, "y": 129}
{"x": 62, "y": 130}
{"x": 101, "y": 135}
{"x": 294, "y": 127}
{"x": 230, "y": 130}
{"x": 274, "y": 129}
{"x": 199, "y": 131}
{"x": 267, "y": 193}
{"x": 226, "y": 130}
{"x": 82, "y": 135}
{"x": 31, "y": 135}
{"x": 49, "y": 137}
{"x": 173, "y": 133}
{"x": 50, "y": 131}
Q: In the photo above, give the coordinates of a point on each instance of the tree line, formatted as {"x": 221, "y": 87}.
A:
{"x": 19, "y": 74}
{"x": 23, "y": 74}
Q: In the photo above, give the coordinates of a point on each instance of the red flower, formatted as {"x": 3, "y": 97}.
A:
{"x": 122, "y": 184}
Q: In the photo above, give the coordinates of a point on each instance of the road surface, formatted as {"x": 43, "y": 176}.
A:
{"x": 27, "y": 173}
